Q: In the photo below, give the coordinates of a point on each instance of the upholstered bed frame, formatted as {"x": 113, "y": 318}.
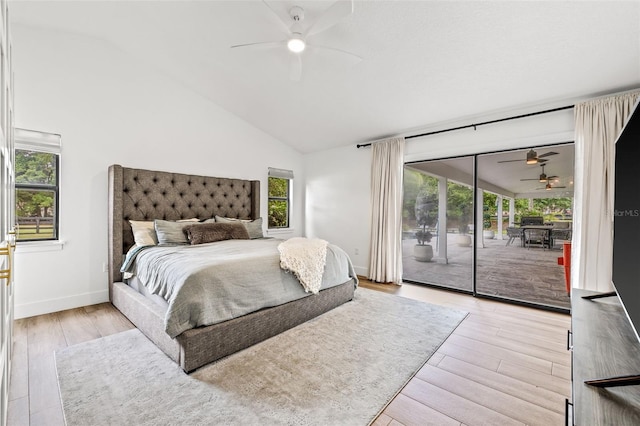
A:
{"x": 136, "y": 194}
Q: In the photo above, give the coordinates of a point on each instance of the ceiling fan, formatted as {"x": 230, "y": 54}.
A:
{"x": 549, "y": 187}
{"x": 296, "y": 35}
{"x": 543, "y": 176}
{"x": 533, "y": 157}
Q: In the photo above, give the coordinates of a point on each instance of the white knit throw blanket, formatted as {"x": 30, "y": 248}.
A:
{"x": 306, "y": 258}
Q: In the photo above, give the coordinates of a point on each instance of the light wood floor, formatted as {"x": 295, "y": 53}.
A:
{"x": 33, "y": 392}
{"x": 503, "y": 365}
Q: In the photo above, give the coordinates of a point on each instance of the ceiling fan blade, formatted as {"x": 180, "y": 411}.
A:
{"x": 540, "y": 160}
{"x": 335, "y": 50}
{"x": 295, "y": 70}
{"x": 552, "y": 187}
{"x": 284, "y": 24}
{"x": 547, "y": 154}
{"x": 333, "y": 15}
{"x": 552, "y": 177}
{"x": 261, "y": 45}
{"x": 529, "y": 179}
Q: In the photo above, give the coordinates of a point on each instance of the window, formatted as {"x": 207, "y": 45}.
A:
{"x": 279, "y": 198}
{"x": 37, "y": 171}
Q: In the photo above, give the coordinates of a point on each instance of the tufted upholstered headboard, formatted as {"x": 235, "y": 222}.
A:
{"x": 136, "y": 194}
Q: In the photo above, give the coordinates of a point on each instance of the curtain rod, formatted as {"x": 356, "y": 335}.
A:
{"x": 468, "y": 126}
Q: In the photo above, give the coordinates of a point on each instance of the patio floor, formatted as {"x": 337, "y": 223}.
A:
{"x": 514, "y": 272}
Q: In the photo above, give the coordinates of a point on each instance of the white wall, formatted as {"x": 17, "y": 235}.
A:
{"x": 110, "y": 108}
{"x": 338, "y": 180}
{"x": 337, "y": 200}
{"x": 525, "y": 132}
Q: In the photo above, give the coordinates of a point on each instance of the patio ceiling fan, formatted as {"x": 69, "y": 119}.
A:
{"x": 543, "y": 176}
{"x": 297, "y": 34}
{"x": 549, "y": 187}
{"x": 533, "y": 157}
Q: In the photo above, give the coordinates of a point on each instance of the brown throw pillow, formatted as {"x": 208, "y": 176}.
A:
{"x": 210, "y": 232}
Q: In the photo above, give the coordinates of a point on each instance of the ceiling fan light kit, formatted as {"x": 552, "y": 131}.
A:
{"x": 296, "y": 45}
{"x": 296, "y": 41}
{"x": 532, "y": 157}
{"x": 549, "y": 187}
{"x": 543, "y": 176}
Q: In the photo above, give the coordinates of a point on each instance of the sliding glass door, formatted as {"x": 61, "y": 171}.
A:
{"x": 497, "y": 232}
{"x": 527, "y": 217}
{"x": 438, "y": 223}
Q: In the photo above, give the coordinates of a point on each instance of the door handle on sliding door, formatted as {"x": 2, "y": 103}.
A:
{"x": 7, "y": 251}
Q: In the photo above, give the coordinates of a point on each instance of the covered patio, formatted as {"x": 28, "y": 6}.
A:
{"x": 514, "y": 272}
{"x": 509, "y": 187}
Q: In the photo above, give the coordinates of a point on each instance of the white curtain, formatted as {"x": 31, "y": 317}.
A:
{"x": 385, "y": 252}
{"x": 597, "y": 126}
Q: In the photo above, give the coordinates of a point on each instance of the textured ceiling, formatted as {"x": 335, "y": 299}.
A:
{"x": 424, "y": 62}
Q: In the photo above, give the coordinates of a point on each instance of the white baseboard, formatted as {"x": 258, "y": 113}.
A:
{"x": 361, "y": 270}
{"x": 42, "y": 307}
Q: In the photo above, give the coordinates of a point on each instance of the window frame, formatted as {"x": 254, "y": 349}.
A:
{"x": 42, "y": 142}
{"x": 288, "y": 176}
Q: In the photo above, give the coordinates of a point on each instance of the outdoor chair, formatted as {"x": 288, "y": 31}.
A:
{"x": 536, "y": 237}
{"x": 514, "y": 233}
{"x": 560, "y": 235}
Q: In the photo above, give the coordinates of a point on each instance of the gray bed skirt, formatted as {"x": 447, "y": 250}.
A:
{"x": 200, "y": 346}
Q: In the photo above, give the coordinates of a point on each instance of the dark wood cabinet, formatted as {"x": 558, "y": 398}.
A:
{"x": 604, "y": 345}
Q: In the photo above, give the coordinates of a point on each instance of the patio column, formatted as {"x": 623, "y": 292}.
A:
{"x": 479, "y": 223}
{"x": 512, "y": 211}
{"x": 442, "y": 221}
{"x": 499, "y": 217}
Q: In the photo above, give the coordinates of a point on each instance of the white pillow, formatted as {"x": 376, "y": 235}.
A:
{"x": 144, "y": 233}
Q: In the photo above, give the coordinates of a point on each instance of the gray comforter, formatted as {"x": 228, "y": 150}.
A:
{"x": 210, "y": 283}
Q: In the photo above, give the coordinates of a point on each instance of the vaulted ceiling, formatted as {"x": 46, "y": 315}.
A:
{"x": 423, "y": 62}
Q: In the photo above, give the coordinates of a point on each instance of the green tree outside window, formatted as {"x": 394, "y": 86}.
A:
{"x": 36, "y": 194}
{"x": 279, "y": 201}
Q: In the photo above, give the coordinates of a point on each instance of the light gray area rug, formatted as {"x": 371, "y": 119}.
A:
{"x": 341, "y": 368}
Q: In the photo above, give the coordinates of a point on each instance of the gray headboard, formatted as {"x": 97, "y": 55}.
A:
{"x": 136, "y": 194}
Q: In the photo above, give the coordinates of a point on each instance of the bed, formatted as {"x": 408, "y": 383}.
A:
{"x": 146, "y": 195}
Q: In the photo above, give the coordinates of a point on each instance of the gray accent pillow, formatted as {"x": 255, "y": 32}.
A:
{"x": 254, "y": 227}
{"x": 169, "y": 232}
